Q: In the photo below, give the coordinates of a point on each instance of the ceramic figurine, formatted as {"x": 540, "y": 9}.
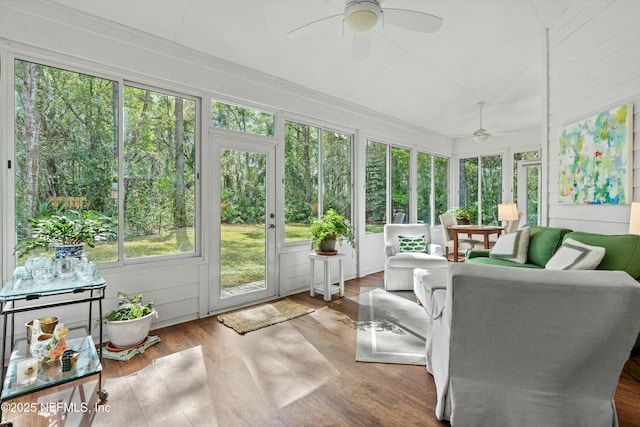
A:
{"x": 47, "y": 347}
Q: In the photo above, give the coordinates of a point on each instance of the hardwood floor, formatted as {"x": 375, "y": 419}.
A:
{"x": 298, "y": 373}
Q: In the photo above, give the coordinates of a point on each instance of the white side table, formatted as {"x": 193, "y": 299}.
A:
{"x": 327, "y": 289}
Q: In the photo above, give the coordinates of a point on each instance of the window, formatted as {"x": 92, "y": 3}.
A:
{"x": 387, "y": 186}
{"x": 441, "y": 183}
{"x": 306, "y": 148}
{"x": 336, "y": 173}
{"x": 432, "y": 174}
{"x": 533, "y": 184}
{"x": 400, "y": 184}
{"x": 65, "y": 147}
{"x": 159, "y": 173}
{"x": 481, "y": 187}
{"x": 376, "y": 187}
{"x": 525, "y": 155}
{"x": 67, "y": 151}
{"x": 491, "y": 188}
{"x": 468, "y": 195}
{"x": 241, "y": 119}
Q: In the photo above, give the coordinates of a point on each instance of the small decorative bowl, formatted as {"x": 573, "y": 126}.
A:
{"x": 47, "y": 324}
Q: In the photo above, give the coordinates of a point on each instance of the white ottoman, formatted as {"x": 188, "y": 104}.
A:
{"x": 426, "y": 282}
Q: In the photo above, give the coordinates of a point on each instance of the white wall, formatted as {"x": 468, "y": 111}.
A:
{"x": 594, "y": 64}
{"x": 44, "y": 32}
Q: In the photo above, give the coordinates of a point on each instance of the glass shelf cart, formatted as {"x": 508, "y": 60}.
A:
{"x": 20, "y": 294}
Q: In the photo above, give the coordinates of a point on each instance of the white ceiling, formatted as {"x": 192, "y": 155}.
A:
{"x": 486, "y": 50}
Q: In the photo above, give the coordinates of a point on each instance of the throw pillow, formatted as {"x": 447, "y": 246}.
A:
{"x": 512, "y": 246}
{"x": 574, "y": 255}
{"x": 412, "y": 243}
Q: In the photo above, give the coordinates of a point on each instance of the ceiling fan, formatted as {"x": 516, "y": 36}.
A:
{"x": 363, "y": 15}
{"x": 481, "y": 135}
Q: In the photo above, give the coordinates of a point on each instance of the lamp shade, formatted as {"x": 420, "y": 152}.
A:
{"x": 507, "y": 212}
{"x": 634, "y": 218}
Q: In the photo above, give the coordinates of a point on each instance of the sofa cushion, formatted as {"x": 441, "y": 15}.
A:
{"x": 512, "y": 246}
{"x": 543, "y": 243}
{"x": 416, "y": 260}
{"x": 412, "y": 243}
{"x": 622, "y": 251}
{"x": 484, "y": 260}
{"x": 574, "y": 255}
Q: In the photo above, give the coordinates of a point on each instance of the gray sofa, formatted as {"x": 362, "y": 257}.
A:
{"x": 527, "y": 347}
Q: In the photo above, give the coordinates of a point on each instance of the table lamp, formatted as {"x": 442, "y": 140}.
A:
{"x": 508, "y": 212}
{"x": 634, "y": 218}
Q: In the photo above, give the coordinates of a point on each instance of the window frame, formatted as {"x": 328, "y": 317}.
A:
{"x": 389, "y": 146}
{"x": 322, "y": 128}
{"x": 479, "y": 158}
{"x": 433, "y": 214}
{"x": 248, "y": 106}
{"x": 10, "y": 260}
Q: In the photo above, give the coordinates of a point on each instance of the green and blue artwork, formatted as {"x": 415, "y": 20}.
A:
{"x": 596, "y": 158}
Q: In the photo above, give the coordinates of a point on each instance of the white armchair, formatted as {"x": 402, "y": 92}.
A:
{"x": 399, "y": 263}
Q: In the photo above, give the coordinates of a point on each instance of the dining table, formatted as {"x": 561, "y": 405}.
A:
{"x": 484, "y": 230}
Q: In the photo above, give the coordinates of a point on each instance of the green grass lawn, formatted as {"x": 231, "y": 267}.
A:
{"x": 242, "y": 249}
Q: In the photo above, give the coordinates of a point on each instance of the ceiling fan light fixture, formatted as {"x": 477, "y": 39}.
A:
{"x": 362, "y": 15}
{"x": 481, "y": 137}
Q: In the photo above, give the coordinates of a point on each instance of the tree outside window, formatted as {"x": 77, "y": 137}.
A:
{"x": 481, "y": 186}
{"x": 241, "y": 119}
{"x": 159, "y": 172}
{"x": 67, "y": 151}
{"x": 400, "y": 184}
{"x": 317, "y": 176}
{"x": 533, "y": 184}
{"x": 387, "y": 174}
{"x": 441, "y": 184}
{"x": 491, "y": 181}
{"x": 432, "y": 174}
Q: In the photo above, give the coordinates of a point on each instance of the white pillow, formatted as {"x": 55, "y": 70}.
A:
{"x": 512, "y": 246}
{"x": 574, "y": 255}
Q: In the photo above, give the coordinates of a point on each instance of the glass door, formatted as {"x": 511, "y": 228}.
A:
{"x": 246, "y": 247}
{"x": 530, "y": 190}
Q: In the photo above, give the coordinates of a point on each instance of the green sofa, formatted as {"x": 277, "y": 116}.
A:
{"x": 622, "y": 251}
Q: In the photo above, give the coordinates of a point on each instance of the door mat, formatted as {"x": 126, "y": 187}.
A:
{"x": 251, "y": 319}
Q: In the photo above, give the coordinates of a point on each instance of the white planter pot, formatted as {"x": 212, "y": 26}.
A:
{"x": 129, "y": 333}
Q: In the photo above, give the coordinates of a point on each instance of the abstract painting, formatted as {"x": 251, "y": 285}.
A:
{"x": 596, "y": 159}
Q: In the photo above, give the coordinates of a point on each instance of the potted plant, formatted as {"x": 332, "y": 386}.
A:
{"x": 329, "y": 229}
{"x": 463, "y": 214}
{"x": 67, "y": 233}
{"x": 128, "y": 325}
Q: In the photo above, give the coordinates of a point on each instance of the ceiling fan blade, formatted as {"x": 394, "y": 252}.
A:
{"x": 412, "y": 20}
{"x": 311, "y": 27}
{"x": 361, "y": 45}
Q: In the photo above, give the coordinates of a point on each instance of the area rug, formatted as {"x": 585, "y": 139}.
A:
{"x": 392, "y": 328}
{"x": 251, "y": 319}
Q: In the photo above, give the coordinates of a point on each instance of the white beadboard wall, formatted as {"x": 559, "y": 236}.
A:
{"x": 593, "y": 65}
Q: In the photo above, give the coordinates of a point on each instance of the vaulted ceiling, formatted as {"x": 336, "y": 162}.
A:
{"x": 485, "y": 50}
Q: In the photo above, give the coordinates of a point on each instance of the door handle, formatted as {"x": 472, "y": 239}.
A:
{"x": 272, "y": 226}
